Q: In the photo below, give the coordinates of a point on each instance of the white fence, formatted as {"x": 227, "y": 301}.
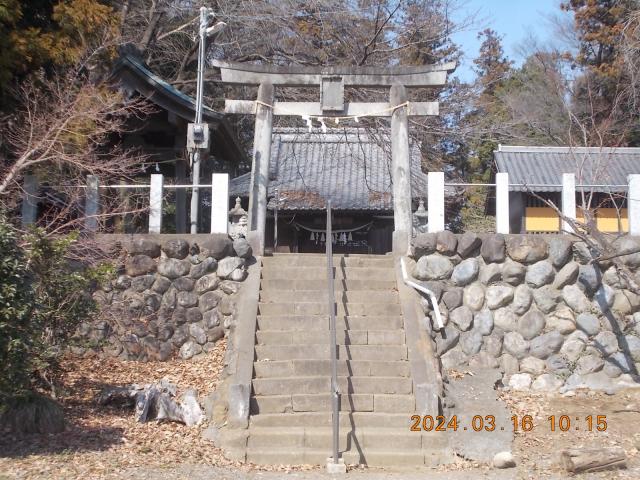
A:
{"x": 92, "y": 212}
{"x": 436, "y": 200}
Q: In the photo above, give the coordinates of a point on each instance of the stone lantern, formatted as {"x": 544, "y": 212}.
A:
{"x": 420, "y": 219}
{"x": 238, "y": 221}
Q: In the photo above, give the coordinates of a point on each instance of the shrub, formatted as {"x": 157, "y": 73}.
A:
{"x": 43, "y": 298}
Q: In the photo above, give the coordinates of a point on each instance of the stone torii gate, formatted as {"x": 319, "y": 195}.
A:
{"x": 332, "y": 82}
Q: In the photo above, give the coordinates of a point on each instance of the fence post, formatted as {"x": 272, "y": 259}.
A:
{"x": 633, "y": 204}
{"x": 502, "y": 202}
{"x": 92, "y": 204}
{"x": 219, "y": 203}
{"x": 435, "y": 201}
{"x": 30, "y": 200}
{"x": 568, "y": 200}
{"x": 155, "y": 203}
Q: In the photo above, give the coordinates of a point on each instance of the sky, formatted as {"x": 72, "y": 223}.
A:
{"x": 515, "y": 20}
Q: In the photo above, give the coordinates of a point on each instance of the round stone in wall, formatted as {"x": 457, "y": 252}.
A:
{"x": 520, "y": 381}
{"x": 547, "y": 382}
{"x": 446, "y": 243}
{"x": 184, "y": 284}
{"x": 187, "y": 299}
{"x": 144, "y": 246}
{"x": 208, "y": 265}
{"x": 514, "y": 344}
{"x": 546, "y": 298}
{"x": 606, "y": 342}
{"x": 173, "y": 268}
{"x": 468, "y": 244}
{"x": 574, "y": 345}
{"x": 531, "y": 325}
{"x": 462, "y": 317}
{"x": 505, "y": 319}
{"x": 465, "y": 272}
{"x": 499, "y": 296}
{"x": 633, "y": 346}
{"x": 589, "y": 364}
{"x": 522, "y": 299}
{"x": 513, "y": 273}
{"x": 559, "y": 251}
{"x": 539, "y": 274}
{"x": 139, "y": 265}
{"x": 492, "y": 344}
{"x": 493, "y": 248}
{"x": 562, "y": 320}
{"x": 433, "y": 267}
{"x": 546, "y": 345}
{"x": 470, "y": 342}
{"x": 588, "y": 323}
{"x": 176, "y": 248}
{"x": 527, "y": 248}
{"x": 189, "y": 350}
{"x": 576, "y": 299}
{"x": 567, "y": 275}
{"x": 532, "y": 365}
{"x": 483, "y": 322}
{"x": 242, "y": 248}
{"x": 227, "y": 265}
{"x": 491, "y": 273}
{"x": 473, "y": 296}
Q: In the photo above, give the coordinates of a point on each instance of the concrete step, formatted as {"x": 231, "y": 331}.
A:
{"x": 321, "y": 352}
{"x": 343, "y": 322}
{"x": 305, "y": 368}
{"x": 323, "y": 419}
{"x": 312, "y": 385}
{"x": 322, "y": 308}
{"x": 317, "y": 402}
{"x": 308, "y": 260}
{"x": 321, "y": 402}
{"x": 340, "y": 285}
{"x": 322, "y": 337}
{"x": 299, "y": 295}
{"x": 373, "y": 458}
{"x": 320, "y": 273}
{"x": 322, "y": 437}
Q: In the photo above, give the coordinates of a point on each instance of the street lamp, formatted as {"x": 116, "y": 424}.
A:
{"x": 198, "y": 132}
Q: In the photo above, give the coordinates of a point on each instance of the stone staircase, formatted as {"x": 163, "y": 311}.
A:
{"x": 290, "y": 406}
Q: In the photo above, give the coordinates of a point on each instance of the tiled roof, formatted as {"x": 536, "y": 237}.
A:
{"x": 348, "y": 166}
{"x": 540, "y": 169}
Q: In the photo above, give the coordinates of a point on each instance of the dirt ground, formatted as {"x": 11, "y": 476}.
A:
{"x": 107, "y": 443}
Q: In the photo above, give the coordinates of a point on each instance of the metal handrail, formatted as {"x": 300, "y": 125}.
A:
{"x": 332, "y": 326}
{"x": 425, "y": 290}
{"x": 275, "y": 222}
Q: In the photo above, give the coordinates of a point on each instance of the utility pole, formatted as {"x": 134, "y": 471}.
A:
{"x": 198, "y": 132}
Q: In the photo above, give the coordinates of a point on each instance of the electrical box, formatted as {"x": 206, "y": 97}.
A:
{"x": 198, "y": 136}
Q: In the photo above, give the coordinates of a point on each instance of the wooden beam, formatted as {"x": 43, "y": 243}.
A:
{"x": 248, "y": 107}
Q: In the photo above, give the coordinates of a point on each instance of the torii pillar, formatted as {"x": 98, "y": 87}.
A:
{"x": 260, "y": 167}
{"x": 332, "y": 82}
{"x": 401, "y": 171}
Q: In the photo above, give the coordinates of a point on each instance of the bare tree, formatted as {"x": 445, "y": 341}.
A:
{"x": 67, "y": 128}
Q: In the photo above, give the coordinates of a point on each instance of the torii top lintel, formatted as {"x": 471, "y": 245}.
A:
{"x": 419, "y": 76}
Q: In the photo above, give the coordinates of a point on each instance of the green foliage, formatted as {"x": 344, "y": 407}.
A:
{"x": 43, "y": 298}
{"x": 50, "y": 34}
{"x": 16, "y": 308}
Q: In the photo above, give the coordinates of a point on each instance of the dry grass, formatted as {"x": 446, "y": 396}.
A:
{"x": 101, "y": 442}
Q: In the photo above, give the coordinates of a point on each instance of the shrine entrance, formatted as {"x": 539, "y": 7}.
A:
{"x": 332, "y": 110}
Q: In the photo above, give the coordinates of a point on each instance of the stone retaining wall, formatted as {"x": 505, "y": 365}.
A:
{"x": 540, "y": 309}
{"x": 170, "y": 297}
